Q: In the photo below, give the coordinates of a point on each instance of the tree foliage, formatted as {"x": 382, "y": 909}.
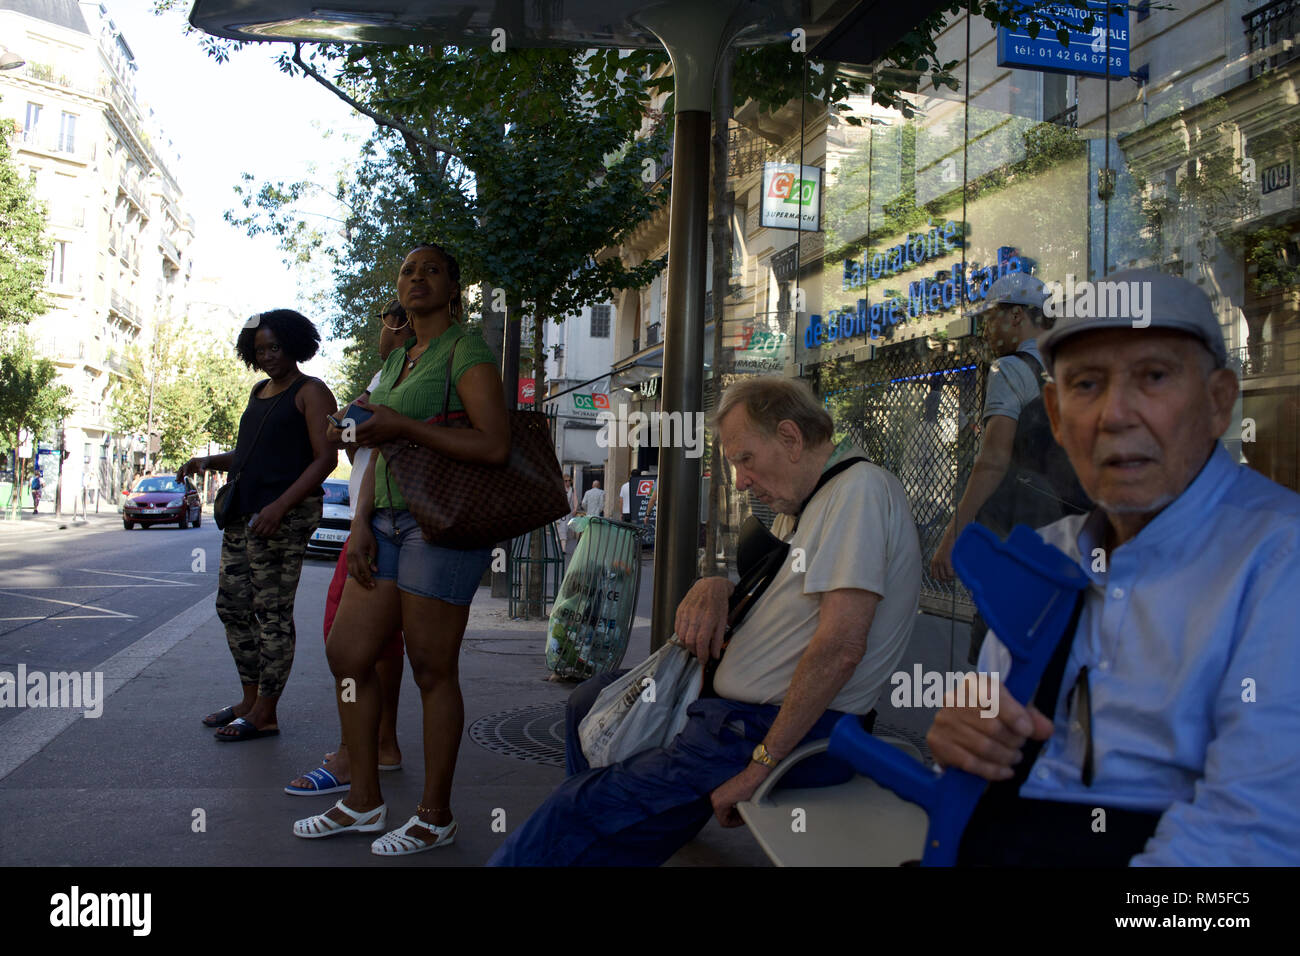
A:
{"x": 524, "y": 164}
{"x": 198, "y": 396}
{"x": 30, "y": 401}
{"x": 24, "y": 248}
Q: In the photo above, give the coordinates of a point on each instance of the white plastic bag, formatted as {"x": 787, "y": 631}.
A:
{"x": 643, "y": 709}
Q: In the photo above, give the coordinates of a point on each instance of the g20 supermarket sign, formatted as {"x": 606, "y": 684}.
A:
{"x": 792, "y": 197}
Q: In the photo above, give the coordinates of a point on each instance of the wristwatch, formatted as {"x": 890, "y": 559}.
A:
{"x": 760, "y": 755}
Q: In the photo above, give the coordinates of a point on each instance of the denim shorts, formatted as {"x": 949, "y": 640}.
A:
{"x": 421, "y": 568}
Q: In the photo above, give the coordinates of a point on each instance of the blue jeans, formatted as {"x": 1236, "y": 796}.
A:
{"x": 641, "y": 811}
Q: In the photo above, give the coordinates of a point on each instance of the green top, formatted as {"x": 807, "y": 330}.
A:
{"x": 420, "y": 394}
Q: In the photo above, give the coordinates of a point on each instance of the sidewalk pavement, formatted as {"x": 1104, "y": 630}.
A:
{"x": 28, "y": 524}
{"x": 145, "y": 784}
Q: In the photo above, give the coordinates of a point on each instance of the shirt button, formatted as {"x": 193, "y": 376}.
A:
{"x": 1117, "y": 593}
{"x": 1103, "y": 665}
{"x": 1043, "y": 773}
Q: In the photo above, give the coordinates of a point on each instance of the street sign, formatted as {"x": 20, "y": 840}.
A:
{"x": 1086, "y": 53}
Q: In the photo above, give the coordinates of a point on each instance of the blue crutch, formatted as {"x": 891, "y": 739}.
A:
{"x": 1026, "y": 589}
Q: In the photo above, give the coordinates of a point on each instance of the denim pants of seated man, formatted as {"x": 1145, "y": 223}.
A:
{"x": 640, "y": 811}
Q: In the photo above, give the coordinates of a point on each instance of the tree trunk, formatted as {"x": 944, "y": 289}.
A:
{"x": 722, "y": 209}
{"x": 535, "y": 606}
{"x": 20, "y": 484}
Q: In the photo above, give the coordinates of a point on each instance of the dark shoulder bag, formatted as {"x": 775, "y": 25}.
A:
{"x": 468, "y": 505}
{"x": 225, "y": 499}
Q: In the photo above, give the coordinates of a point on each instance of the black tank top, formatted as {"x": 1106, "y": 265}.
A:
{"x": 281, "y": 453}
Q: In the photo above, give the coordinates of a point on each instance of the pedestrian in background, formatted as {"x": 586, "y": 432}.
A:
{"x": 281, "y": 457}
{"x": 1012, "y": 480}
{"x": 593, "y": 502}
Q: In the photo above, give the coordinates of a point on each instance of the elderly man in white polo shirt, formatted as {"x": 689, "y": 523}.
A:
{"x": 820, "y": 642}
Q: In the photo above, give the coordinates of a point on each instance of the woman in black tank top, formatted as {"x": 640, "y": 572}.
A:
{"x": 280, "y": 459}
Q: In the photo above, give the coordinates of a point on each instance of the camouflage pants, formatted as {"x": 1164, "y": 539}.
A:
{"x": 255, "y": 594}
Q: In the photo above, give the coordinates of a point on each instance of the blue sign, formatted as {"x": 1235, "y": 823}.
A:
{"x": 923, "y": 298}
{"x": 917, "y": 249}
{"x": 1086, "y": 52}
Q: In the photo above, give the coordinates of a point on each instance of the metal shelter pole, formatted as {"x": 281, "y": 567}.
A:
{"x": 695, "y": 36}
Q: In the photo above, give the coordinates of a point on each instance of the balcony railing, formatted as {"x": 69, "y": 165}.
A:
{"x": 1267, "y": 358}
{"x": 169, "y": 250}
{"x": 746, "y": 151}
{"x": 1276, "y": 25}
{"x": 664, "y": 161}
{"x": 124, "y": 308}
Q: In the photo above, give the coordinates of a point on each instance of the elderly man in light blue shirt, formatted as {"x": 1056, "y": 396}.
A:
{"x": 1178, "y": 703}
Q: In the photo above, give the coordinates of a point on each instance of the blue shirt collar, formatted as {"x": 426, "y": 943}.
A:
{"x": 1181, "y": 516}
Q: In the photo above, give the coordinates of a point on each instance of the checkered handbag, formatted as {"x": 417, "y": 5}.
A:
{"x": 466, "y": 505}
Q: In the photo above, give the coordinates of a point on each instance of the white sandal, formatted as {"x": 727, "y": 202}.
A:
{"x": 399, "y": 843}
{"x": 363, "y": 821}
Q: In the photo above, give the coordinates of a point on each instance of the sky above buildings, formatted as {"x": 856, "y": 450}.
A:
{"x": 226, "y": 119}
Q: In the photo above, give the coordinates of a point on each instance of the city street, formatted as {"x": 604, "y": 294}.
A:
{"x": 72, "y": 598}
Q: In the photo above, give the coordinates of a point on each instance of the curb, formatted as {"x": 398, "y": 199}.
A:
{"x": 29, "y": 733}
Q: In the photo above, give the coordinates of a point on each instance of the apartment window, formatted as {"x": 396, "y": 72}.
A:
{"x": 58, "y": 261}
{"x": 32, "y": 121}
{"x": 600, "y": 321}
{"x": 68, "y": 133}
{"x": 1055, "y": 96}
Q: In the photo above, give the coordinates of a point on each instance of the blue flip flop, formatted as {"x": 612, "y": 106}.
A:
{"x": 322, "y": 782}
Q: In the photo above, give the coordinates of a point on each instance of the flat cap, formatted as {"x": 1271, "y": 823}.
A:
{"x": 1133, "y": 298}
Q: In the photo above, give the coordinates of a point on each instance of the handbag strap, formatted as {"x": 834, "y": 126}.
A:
{"x": 446, "y": 389}
{"x": 825, "y": 479}
{"x": 258, "y": 434}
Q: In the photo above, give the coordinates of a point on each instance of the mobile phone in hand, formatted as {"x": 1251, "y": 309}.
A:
{"x": 356, "y": 412}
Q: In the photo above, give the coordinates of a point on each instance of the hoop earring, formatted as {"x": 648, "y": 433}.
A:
{"x": 395, "y": 328}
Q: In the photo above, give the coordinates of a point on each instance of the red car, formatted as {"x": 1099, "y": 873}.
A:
{"x": 161, "y": 499}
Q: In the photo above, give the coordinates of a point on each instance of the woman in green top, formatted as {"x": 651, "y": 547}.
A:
{"x": 398, "y": 580}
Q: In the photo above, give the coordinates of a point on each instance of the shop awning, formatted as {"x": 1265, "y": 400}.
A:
{"x": 574, "y": 23}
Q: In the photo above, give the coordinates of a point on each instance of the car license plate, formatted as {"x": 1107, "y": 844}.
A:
{"x": 326, "y": 534}
{"x": 152, "y": 511}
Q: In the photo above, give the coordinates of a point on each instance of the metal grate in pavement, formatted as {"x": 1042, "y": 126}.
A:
{"x": 534, "y": 734}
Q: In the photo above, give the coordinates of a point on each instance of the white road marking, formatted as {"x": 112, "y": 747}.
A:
{"x": 104, "y": 612}
{"x": 141, "y": 577}
{"x": 33, "y": 730}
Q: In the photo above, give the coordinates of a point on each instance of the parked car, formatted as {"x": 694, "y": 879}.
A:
{"x": 161, "y": 499}
{"x": 335, "y": 520}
